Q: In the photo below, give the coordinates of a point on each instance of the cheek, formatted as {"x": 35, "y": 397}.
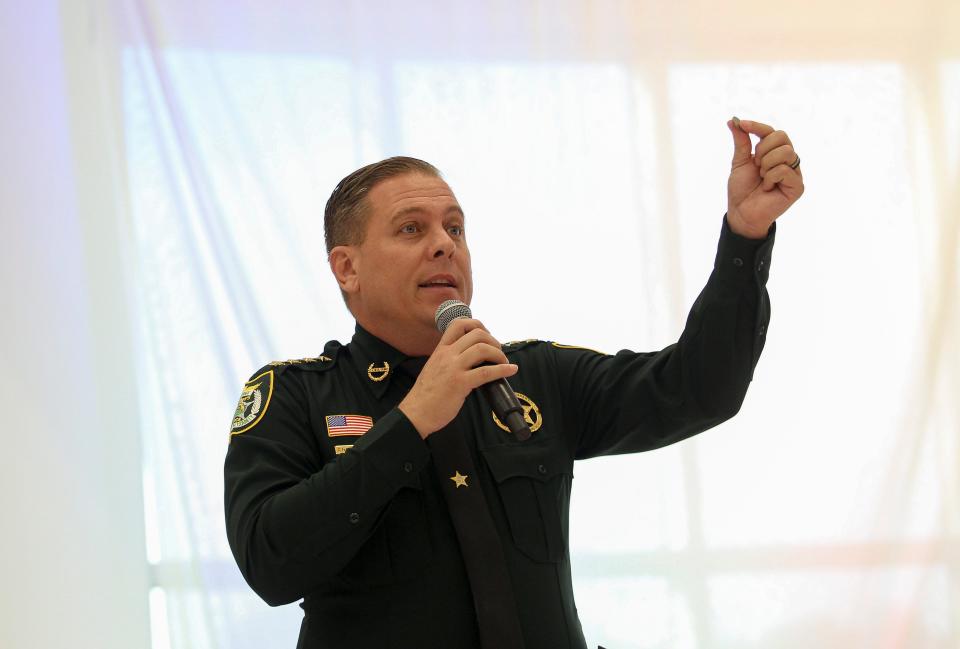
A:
{"x": 393, "y": 267}
{"x": 467, "y": 274}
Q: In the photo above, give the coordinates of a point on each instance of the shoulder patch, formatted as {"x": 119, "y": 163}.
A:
{"x": 559, "y": 346}
{"x": 253, "y": 404}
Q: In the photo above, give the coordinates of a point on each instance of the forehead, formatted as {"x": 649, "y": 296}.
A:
{"x": 409, "y": 192}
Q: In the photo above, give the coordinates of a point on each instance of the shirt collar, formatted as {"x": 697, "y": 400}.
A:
{"x": 376, "y": 361}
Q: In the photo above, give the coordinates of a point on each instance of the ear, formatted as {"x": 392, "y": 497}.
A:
{"x": 345, "y": 262}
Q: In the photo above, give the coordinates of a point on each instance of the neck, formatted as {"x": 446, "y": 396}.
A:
{"x": 420, "y": 342}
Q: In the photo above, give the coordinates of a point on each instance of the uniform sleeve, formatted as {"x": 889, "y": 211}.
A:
{"x": 631, "y": 402}
{"x": 293, "y": 521}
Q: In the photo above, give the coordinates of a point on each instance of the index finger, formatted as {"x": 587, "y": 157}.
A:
{"x": 757, "y": 128}
{"x": 457, "y": 328}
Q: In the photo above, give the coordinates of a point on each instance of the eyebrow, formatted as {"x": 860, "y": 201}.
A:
{"x": 419, "y": 210}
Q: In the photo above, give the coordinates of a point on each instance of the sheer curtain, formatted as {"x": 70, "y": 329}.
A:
{"x": 587, "y": 143}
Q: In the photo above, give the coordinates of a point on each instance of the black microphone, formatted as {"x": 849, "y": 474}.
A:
{"x": 501, "y": 397}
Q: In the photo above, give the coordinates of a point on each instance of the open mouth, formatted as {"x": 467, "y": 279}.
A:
{"x": 439, "y": 283}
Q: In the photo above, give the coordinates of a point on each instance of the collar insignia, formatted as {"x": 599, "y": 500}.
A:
{"x": 377, "y": 374}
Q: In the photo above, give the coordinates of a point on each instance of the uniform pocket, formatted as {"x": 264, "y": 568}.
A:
{"x": 534, "y": 485}
{"x": 399, "y": 547}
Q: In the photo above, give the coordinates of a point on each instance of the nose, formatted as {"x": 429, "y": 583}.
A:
{"x": 442, "y": 244}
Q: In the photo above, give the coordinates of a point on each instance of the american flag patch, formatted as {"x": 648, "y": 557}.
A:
{"x": 338, "y": 425}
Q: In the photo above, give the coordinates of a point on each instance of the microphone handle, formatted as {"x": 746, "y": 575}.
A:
{"x": 506, "y": 406}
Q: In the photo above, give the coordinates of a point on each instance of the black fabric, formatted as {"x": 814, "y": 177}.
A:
{"x": 483, "y": 555}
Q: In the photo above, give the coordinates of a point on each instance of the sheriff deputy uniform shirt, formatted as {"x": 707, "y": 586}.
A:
{"x": 330, "y": 496}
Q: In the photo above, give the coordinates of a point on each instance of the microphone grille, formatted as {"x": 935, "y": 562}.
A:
{"x": 449, "y": 311}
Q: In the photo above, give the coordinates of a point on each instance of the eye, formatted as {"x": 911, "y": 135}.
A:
{"x": 409, "y": 228}
{"x": 456, "y": 230}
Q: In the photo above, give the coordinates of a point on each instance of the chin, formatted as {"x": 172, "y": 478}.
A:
{"x": 439, "y": 297}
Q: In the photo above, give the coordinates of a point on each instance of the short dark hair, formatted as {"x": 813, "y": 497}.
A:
{"x": 345, "y": 216}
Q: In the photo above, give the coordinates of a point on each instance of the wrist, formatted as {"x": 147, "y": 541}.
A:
{"x": 737, "y": 226}
{"x": 410, "y": 411}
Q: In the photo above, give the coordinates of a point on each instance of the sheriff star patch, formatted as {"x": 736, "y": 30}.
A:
{"x": 253, "y": 403}
{"x": 531, "y": 414}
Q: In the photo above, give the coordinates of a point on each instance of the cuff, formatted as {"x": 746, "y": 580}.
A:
{"x": 395, "y": 449}
{"x": 740, "y": 258}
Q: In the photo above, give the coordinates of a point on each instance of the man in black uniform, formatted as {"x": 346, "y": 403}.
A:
{"x": 376, "y": 484}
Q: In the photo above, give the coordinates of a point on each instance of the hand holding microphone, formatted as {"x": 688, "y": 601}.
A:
{"x": 467, "y": 357}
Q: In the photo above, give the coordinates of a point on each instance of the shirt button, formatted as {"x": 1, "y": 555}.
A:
{"x": 542, "y": 469}
{"x": 737, "y": 261}
{"x": 763, "y": 329}
{"x": 354, "y": 517}
{"x": 761, "y": 265}
{"x": 408, "y": 466}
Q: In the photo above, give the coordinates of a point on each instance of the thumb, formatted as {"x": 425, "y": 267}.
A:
{"x": 742, "y": 147}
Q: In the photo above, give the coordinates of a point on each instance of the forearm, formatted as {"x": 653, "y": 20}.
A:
{"x": 727, "y": 325}
{"x": 639, "y": 401}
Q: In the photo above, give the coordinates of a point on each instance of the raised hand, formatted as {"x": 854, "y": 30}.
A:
{"x": 762, "y": 183}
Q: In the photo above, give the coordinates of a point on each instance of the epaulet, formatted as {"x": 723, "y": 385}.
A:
{"x": 561, "y": 346}
{"x": 320, "y": 363}
{"x": 304, "y": 362}
{"x": 514, "y": 345}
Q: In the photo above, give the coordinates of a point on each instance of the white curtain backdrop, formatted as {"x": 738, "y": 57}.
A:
{"x": 587, "y": 143}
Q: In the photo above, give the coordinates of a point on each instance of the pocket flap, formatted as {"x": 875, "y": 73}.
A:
{"x": 528, "y": 459}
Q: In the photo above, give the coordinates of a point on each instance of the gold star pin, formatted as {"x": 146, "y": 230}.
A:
{"x": 461, "y": 480}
